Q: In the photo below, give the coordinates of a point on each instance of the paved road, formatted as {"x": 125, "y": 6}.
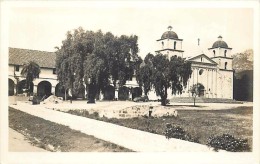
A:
{"x": 135, "y": 140}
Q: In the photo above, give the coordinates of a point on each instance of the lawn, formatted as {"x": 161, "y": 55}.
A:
{"x": 200, "y": 124}
{"x": 55, "y": 137}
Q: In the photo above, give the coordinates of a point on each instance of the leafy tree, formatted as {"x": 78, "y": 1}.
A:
{"x": 144, "y": 74}
{"x": 124, "y": 59}
{"x": 161, "y": 73}
{"x": 30, "y": 71}
{"x": 70, "y": 59}
{"x": 96, "y": 58}
{"x": 195, "y": 92}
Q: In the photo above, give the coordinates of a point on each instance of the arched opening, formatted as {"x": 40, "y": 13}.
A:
{"x": 162, "y": 44}
{"x": 214, "y": 52}
{"x": 80, "y": 93}
{"x": 22, "y": 88}
{"x": 136, "y": 92}
{"x": 60, "y": 91}
{"x": 123, "y": 93}
{"x": 225, "y": 53}
{"x": 225, "y": 65}
{"x": 174, "y": 46}
{"x": 201, "y": 90}
{"x": 44, "y": 89}
{"x": 109, "y": 93}
{"x": 10, "y": 87}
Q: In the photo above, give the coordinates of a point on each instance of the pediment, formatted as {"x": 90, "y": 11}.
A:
{"x": 202, "y": 59}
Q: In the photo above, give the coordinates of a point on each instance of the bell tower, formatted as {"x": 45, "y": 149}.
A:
{"x": 170, "y": 44}
{"x": 221, "y": 54}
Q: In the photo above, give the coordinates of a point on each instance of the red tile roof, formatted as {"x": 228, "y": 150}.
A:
{"x": 18, "y": 56}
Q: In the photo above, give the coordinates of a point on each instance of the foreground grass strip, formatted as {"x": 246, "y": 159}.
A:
{"x": 201, "y": 124}
{"x": 55, "y": 137}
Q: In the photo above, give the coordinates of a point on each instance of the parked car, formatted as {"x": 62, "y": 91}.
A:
{"x": 143, "y": 98}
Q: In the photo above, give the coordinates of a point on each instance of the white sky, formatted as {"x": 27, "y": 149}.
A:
{"x": 45, "y": 27}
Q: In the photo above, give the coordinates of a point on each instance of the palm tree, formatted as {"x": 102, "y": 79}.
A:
{"x": 30, "y": 71}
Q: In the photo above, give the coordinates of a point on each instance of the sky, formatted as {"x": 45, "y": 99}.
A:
{"x": 43, "y": 28}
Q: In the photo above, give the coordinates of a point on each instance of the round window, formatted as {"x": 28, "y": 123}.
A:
{"x": 201, "y": 71}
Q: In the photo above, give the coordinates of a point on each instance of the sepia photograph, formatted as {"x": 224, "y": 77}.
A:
{"x": 144, "y": 82}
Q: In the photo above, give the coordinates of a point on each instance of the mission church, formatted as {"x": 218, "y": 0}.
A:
{"x": 213, "y": 72}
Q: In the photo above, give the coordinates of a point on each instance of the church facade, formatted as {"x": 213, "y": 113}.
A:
{"x": 212, "y": 71}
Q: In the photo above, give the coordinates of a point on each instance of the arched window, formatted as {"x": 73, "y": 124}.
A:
{"x": 225, "y": 65}
{"x": 201, "y": 59}
{"x": 225, "y": 53}
{"x": 174, "y": 45}
{"x": 162, "y": 44}
{"x": 214, "y": 52}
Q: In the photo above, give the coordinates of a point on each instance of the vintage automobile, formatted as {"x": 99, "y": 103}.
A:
{"x": 143, "y": 98}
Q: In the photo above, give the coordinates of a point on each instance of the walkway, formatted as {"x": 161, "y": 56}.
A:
{"x": 18, "y": 143}
{"x": 135, "y": 140}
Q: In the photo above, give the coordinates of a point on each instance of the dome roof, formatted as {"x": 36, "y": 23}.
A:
{"x": 169, "y": 35}
{"x": 220, "y": 43}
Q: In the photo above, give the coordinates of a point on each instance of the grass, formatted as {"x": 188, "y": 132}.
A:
{"x": 55, "y": 137}
{"x": 200, "y": 124}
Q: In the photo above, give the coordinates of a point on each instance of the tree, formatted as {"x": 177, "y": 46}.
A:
{"x": 161, "y": 76}
{"x": 30, "y": 71}
{"x": 144, "y": 74}
{"x": 96, "y": 58}
{"x": 194, "y": 89}
{"x": 71, "y": 57}
{"x": 161, "y": 73}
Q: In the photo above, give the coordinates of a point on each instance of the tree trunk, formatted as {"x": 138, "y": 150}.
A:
{"x": 28, "y": 89}
{"x": 164, "y": 97}
{"x": 194, "y": 100}
{"x": 91, "y": 93}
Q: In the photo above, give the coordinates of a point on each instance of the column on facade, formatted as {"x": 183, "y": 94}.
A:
{"x": 216, "y": 84}
{"x": 207, "y": 91}
{"x": 212, "y": 84}
{"x": 53, "y": 90}
{"x": 35, "y": 89}
{"x": 197, "y": 74}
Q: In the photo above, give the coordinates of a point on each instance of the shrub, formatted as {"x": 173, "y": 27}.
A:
{"x": 228, "y": 142}
{"x": 94, "y": 115}
{"x": 179, "y": 133}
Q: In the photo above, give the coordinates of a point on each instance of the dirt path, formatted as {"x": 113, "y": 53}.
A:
{"x": 18, "y": 143}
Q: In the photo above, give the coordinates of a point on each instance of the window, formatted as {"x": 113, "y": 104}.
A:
{"x": 225, "y": 65}
{"x": 201, "y": 71}
{"x": 214, "y": 52}
{"x": 201, "y": 59}
{"x": 162, "y": 44}
{"x": 225, "y": 53}
{"x": 17, "y": 68}
{"x": 54, "y": 71}
{"x": 174, "y": 45}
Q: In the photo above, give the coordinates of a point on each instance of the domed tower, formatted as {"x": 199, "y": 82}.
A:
{"x": 221, "y": 54}
{"x": 170, "y": 44}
